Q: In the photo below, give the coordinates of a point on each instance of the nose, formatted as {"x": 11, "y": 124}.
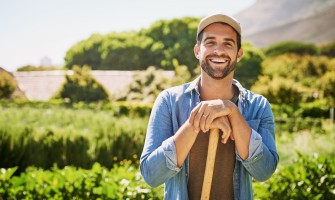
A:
{"x": 219, "y": 50}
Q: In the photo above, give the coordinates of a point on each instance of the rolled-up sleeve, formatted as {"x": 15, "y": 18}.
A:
{"x": 158, "y": 161}
{"x": 263, "y": 157}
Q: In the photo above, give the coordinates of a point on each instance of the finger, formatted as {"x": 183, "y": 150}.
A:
{"x": 226, "y": 129}
{"x": 199, "y": 115}
{"x": 232, "y": 136}
{"x": 211, "y": 117}
{"x": 203, "y": 122}
{"x": 226, "y": 136}
{"x": 194, "y": 113}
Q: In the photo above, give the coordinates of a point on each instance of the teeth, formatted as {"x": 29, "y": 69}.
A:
{"x": 219, "y": 60}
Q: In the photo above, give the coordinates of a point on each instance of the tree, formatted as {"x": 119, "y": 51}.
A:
{"x": 249, "y": 68}
{"x": 81, "y": 86}
{"x": 157, "y": 46}
{"x": 174, "y": 39}
{"x": 86, "y": 52}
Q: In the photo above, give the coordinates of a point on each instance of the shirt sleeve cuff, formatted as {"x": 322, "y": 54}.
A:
{"x": 170, "y": 153}
{"x": 255, "y": 147}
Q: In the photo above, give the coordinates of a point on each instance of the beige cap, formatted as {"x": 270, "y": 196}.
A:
{"x": 218, "y": 17}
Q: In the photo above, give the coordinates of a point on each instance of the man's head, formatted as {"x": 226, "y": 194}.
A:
{"x": 218, "y": 46}
{"x": 220, "y": 18}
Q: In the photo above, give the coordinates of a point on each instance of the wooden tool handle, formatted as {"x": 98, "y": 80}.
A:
{"x": 212, "y": 146}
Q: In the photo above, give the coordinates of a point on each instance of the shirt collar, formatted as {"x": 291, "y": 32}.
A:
{"x": 194, "y": 85}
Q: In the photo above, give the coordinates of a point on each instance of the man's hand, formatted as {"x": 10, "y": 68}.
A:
{"x": 213, "y": 114}
{"x": 223, "y": 124}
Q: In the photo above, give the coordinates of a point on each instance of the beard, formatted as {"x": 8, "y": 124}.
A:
{"x": 218, "y": 73}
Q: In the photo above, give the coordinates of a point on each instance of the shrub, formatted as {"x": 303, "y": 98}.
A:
{"x": 44, "y": 137}
{"x": 7, "y": 84}
{"x": 121, "y": 182}
{"x": 306, "y": 178}
{"x": 81, "y": 86}
{"x": 249, "y": 68}
{"x": 328, "y": 49}
{"x": 278, "y": 90}
{"x": 146, "y": 85}
{"x": 299, "y": 48}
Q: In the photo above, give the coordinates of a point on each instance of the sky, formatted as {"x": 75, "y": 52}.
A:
{"x": 36, "y": 30}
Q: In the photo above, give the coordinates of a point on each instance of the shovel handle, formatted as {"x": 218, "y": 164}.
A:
{"x": 212, "y": 147}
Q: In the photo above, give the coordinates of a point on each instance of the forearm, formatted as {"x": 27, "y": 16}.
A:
{"x": 159, "y": 165}
{"x": 263, "y": 161}
{"x": 241, "y": 132}
{"x": 184, "y": 140}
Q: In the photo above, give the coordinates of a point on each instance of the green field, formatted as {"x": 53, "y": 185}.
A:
{"x": 84, "y": 153}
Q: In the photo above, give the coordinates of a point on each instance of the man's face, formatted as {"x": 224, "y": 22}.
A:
{"x": 217, "y": 51}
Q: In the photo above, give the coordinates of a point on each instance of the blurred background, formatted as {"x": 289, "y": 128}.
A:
{"x": 78, "y": 79}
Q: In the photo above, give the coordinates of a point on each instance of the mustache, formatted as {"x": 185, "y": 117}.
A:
{"x": 213, "y": 55}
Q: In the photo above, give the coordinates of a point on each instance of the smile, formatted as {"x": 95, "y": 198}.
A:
{"x": 219, "y": 60}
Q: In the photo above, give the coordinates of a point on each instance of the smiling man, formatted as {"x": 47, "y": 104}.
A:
{"x": 176, "y": 143}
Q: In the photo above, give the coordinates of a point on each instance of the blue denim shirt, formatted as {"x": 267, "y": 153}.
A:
{"x": 158, "y": 162}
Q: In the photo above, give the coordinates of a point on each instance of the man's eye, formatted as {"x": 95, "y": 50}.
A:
{"x": 210, "y": 43}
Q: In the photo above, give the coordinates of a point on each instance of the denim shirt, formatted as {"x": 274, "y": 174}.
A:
{"x": 158, "y": 162}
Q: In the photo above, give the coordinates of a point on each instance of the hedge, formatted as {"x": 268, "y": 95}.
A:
{"x": 62, "y": 136}
{"x": 306, "y": 178}
{"x": 120, "y": 182}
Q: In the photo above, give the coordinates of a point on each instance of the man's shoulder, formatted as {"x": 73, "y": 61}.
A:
{"x": 178, "y": 90}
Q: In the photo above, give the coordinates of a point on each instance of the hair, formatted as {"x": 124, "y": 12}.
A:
{"x": 238, "y": 36}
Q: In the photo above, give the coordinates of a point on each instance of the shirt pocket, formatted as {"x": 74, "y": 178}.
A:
{"x": 254, "y": 123}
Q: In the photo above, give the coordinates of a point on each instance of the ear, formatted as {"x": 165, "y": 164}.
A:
{"x": 239, "y": 54}
{"x": 196, "y": 50}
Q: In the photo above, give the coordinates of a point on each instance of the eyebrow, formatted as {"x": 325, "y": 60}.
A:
{"x": 226, "y": 39}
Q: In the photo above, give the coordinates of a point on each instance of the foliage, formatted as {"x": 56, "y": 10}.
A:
{"x": 307, "y": 77}
{"x": 85, "y": 52}
{"x": 306, "y": 178}
{"x": 146, "y": 85}
{"x": 62, "y": 136}
{"x": 7, "y": 84}
{"x": 156, "y": 46}
{"x": 120, "y": 182}
{"x": 278, "y": 90}
{"x": 249, "y": 68}
{"x": 299, "y": 48}
{"x": 182, "y": 75}
{"x": 81, "y": 134}
{"x": 327, "y": 49}
{"x": 37, "y": 68}
{"x": 174, "y": 39}
{"x": 126, "y": 51}
{"x": 81, "y": 86}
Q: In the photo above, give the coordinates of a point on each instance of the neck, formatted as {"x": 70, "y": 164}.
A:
{"x": 211, "y": 89}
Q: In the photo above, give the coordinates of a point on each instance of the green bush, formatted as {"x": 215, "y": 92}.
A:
{"x": 7, "y": 84}
{"x": 328, "y": 49}
{"x": 249, "y": 68}
{"x": 299, "y": 48}
{"x": 306, "y": 178}
{"x": 61, "y": 136}
{"x": 117, "y": 108}
{"x": 146, "y": 86}
{"x": 291, "y": 78}
{"x": 121, "y": 182}
{"x": 81, "y": 86}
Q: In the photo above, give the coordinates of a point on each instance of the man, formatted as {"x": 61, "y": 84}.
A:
{"x": 176, "y": 143}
